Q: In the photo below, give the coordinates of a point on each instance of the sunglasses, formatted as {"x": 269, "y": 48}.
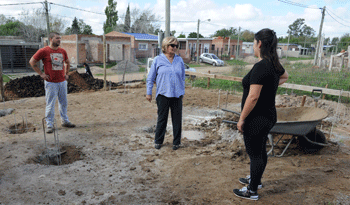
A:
{"x": 174, "y": 45}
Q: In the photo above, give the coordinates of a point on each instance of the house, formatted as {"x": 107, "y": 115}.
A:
{"x": 188, "y": 47}
{"x": 89, "y": 48}
{"x": 226, "y": 46}
{"x": 16, "y": 53}
{"x": 143, "y": 45}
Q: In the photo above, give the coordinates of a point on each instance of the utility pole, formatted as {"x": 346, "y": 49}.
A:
{"x": 288, "y": 46}
{"x": 237, "y": 47}
{"x": 197, "y": 46}
{"x": 104, "y": 63}
{"x": 1, "y": 82}
{"x": 167, "y": 18}
{"x": 319, "y": 37}
{"x": 47, "y": 21}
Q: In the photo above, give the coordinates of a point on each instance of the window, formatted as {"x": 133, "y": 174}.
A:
{"x": 182, "y": 45}
{"x": 143, "y": 46}
{"x": 212, "y": 46}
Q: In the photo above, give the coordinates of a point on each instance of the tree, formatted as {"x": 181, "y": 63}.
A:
{"x": 182, "y": 35}
{"x": 194, "y": 35}
{"x": 79, "y": 27}
{"x": 225, "y": 32}
{"x": 75, "y": 29}
{"x": 299, "y": 28}
{"x": 35, "y": 26}
{"x": 157, "y": 31}
{"x": 111, "y": 16}
{"x": 127, "y": 21}
{"x": 11, "y": 28}
{"x": 247, "y": 36}
{"x": 84, "y": 28}
{"x": 145, "y": 21}
{"x": 172, "y": 33}
{"x": 335, "y": 40}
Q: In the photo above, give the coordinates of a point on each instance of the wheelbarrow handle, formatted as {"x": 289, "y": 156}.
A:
{"x": 237, "y": 113}
{"x": 230, "y": 122}
{"x": 316, "y": 90}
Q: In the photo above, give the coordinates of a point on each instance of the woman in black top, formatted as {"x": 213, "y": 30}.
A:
{"x": 258, "y": 114}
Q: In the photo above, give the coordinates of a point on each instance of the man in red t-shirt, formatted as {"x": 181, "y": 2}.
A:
{"x": 56, "y": 68}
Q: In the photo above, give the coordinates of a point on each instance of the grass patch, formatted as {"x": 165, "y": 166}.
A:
{"x": 142, "y": 69}
{"x": 297, "y": 59}
{"x": 299, "y": 73}
{"x": 142, "y": 60}
{"x": 235, "y": 62}
{"x": 109, "y": 65}
{"x": 5, "y": 78}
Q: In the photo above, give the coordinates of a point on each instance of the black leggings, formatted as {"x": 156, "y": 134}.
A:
{"x": 255, "y": 133}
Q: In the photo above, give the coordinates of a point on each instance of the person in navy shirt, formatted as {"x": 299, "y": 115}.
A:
{"x": 168, "y": 72}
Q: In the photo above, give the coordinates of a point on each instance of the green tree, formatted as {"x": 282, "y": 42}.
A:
{"x": 247, "y": 36}
{"x": 299, "y": 28}
{"x": 182, "y": 35}
{"x": 127, "y": 21}
{"x": 172, "y": 33}
{"x": 111, "y": 16}
{"x": 335, "y": 40}
{"x": 225, "y": 32}
{"x": 11, "y": 28}
{"x": 84, "y": 28}
{"x": 79, "y": 27}
{"x": 194, "y": 35}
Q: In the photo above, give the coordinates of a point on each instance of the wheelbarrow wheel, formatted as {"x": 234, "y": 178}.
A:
{"x": 314, "y": 136}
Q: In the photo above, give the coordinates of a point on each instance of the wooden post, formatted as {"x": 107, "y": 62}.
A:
{"x": 303, "y": 101}
{"x": 104, "y": 63}
{"x": 323, "y": 96}
{"x": 1, "y": 81}
{"x": 208, "y": 84}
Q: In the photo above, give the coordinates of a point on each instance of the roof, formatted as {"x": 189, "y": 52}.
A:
{"x": 115, "y": 33}
{"x": 143, "y": 36}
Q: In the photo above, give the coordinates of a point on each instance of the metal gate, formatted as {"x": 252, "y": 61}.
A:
{"x": 15, "y": 58}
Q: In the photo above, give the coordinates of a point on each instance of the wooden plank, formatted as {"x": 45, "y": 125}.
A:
{"x": 307, "y": 88}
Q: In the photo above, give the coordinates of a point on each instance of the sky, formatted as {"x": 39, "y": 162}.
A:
{"x": 250, "y": 15}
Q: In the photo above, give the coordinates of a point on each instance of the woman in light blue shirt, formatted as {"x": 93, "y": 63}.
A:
{"x": 168, "y": 72}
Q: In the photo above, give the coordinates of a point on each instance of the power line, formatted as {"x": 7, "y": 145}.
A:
{"x": 20, "y": 4}
{"x": 338, "y": 16}
{"x": 336, "y": 19}
{"x": 76, "y": 8}
{"x": 297, "y": 4}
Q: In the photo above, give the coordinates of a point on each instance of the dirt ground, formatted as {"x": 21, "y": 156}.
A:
{"x": 112, "y": 159}
{"x": 109, "y": 158}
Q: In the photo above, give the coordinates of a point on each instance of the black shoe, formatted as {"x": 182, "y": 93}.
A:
{"x": 175, "y": 147}
{"x": 245, "y": 193}
{"x": 158, "y": 146}
{"x": 247, "y": 181}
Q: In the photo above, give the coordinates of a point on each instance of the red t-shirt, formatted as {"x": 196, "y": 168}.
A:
{"x": 53, "y": 62}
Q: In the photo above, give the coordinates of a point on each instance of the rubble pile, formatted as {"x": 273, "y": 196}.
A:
{"x": 33, "y": 86}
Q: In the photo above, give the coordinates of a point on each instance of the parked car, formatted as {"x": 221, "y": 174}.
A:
{"x": 211, "y": 59}
{"x": 187, "y": 68}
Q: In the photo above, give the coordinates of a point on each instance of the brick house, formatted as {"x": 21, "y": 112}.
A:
{"x": 222, "y": 47}
{"x": 188, "y": 50}
{"x": 89, "y": 48}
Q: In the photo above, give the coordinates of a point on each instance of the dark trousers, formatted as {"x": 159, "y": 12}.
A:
{"x": 175, "y": 106}
{"x": 255, "y": 133}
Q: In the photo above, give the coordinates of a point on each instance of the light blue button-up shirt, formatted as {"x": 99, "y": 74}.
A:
{"x": 169, "y": 77}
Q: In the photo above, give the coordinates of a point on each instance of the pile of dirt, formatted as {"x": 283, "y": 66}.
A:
{"x": 251, "y": 59}
{"x": 33, "y": 86}
{"x": 129, "y": 66}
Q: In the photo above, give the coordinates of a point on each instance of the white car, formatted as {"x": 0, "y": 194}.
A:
{"x": 187, "y": 68}
{"x": 211, "y": 59}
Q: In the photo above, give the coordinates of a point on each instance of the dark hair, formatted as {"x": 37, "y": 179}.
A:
{"x": 53, "y": 34}
{"x": 268, "y": 49}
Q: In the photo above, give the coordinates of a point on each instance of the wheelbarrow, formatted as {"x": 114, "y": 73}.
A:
{"x": 299, "y": 122}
